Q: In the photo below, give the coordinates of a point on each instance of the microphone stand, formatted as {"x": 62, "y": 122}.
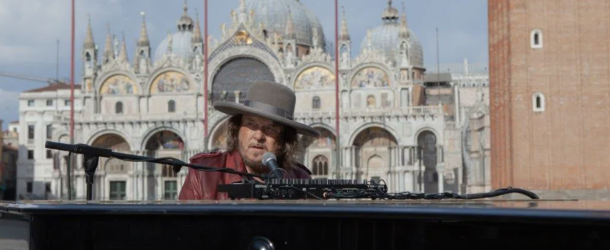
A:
{"x": 91, "y": 159}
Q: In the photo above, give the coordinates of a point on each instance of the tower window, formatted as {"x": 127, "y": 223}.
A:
{"x": 316, "y": 102}
{"x": 536, "y": 39}
{"x": 538, "y": 102}
{"x": 118, "y": 108}
{"x": 171, "y": 106}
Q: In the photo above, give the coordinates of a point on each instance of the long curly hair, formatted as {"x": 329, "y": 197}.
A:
{"x": 290, "y": 148}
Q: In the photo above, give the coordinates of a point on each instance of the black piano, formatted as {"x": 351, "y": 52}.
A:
{"x": 307, "y": 224}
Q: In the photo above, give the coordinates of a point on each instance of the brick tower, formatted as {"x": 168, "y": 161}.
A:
{"x": 550, "y": 96}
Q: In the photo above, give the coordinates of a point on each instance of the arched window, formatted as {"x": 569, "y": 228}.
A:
{"x": 538, "y": 102}
{"x": 370, "y": 101}
{"x": 171, "y": 106}
{"x": 118, "y": 108}
{"x": 315, "y": 104}
{"x": 320, "y": 165}
{"x": 536, "y": 39}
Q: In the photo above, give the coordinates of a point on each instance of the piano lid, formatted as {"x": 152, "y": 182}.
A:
{"x": 548, "y": 209}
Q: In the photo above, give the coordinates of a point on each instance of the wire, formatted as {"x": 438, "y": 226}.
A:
{"x": 308, "y": 193}
{"x": 379, "y": 193}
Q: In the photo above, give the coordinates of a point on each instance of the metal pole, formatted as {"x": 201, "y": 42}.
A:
{"x": 337, "y": 117}
{"x": 420, "y": 152}
{"x": 205, "y": 73}
{"x": 71, "y": 102}
{"x": 57, "y": 63}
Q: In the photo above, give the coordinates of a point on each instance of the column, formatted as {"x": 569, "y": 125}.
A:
{"x": 236, "y": 95}
{"x": 440, "y": 168}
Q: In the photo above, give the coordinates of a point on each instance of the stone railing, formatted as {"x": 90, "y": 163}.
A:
{"x": 132, "y": 117}
{"x": 351, "y": 112}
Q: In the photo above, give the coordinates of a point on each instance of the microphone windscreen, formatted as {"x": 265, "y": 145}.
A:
{"x": 267, "y": 157}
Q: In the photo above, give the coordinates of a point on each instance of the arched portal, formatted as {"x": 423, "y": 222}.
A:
{"x": 237, "y": 75}
{"x": 427, "y": 154}
{"x": 372, "y": 153}
{"x": 164, "y": 143}
{"x": 319, "y": 152}
{"x": 115, "y": 170}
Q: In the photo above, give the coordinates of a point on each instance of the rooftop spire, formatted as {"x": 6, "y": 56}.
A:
{"x": 123, "y": 53}
{"x": 143, "y": 33}
{"x": 404, "y": 31}
{"x": 89, "y": 42}
{"x": 390, "y": 14}
{"x": 197, "y": 32}
{"x": 290, "y": 26}
{"x": 344, "y": 32}
{"x": 185, "y": 23}
{"x": 108, "y": 49}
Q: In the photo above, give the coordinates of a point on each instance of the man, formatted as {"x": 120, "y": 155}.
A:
{"x": 264, "y": 123}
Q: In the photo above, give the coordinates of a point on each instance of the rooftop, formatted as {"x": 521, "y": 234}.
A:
{"x": 52, "y": 87}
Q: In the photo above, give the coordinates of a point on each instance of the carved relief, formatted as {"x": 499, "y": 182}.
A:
{"x": 315, "y": 77}
{"x": 170, "y": 82}
{"x": 118, "y": 85}
{"x": 370, "y": 77}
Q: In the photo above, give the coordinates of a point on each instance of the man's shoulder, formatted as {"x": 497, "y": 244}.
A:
{"x": 301, "y": 170}
{"x": 204, "y": 156}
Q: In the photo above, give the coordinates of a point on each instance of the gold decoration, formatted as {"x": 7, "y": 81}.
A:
{"x": 170, "y": 82}
{"x": 242, "y": 37}
{"x": 370, "y": 77}
{"x": 315, "y": 77}
{"x": 119, "y": 85}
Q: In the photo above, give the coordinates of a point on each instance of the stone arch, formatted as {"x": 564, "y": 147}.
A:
{"x": 106, "y": 132}
{"x": 193, "y": 85}
{"x": 218, "y": 134}
{"x": 358, "y": 69}
{"x": 126, "y": 75}
{"x": 427, "y": 152}
{"x": 164, "y": 139}
{"x": 375, "y": 136}
{"x": 148, "y": 135}
{"x": 429, "y": 129}
{"x": 116, "y": 143}
{"x": 327, "y": 139}
{"x": 302, "y": 69}
{"x": 366, "y": 126}
{"x": 237, "y": 74}
{"x": 228, "y": 54}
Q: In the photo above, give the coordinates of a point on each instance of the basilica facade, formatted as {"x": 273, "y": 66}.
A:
{"x": 391, "y": 126}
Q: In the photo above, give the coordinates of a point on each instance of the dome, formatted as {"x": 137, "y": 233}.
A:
{"x": 274, "y": 14}
{"x": 385, "y": 38}
{"x": 181, "y": 45}
{"x": 181, "y": 40}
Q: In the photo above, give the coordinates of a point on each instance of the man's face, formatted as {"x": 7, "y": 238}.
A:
{"x": 257, "y": 136}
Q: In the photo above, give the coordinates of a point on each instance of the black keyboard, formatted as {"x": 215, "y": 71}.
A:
{"x": 291, "y": 189}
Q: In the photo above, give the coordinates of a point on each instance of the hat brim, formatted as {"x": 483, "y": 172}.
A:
{"x": 232, "y": 108}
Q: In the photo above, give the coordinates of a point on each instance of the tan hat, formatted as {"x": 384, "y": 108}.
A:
{"x": 270, "y": 100}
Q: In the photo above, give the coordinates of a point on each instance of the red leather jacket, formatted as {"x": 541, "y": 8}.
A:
{"x": 200, "y": 185}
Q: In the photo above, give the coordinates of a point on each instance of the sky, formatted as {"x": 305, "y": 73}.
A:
{"x": 30, "y": 31}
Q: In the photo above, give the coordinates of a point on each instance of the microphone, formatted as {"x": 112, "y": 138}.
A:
{"x": 270, "y": 161}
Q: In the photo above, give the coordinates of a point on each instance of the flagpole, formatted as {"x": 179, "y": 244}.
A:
{"x": 71, "y": 103}
{"x": 337, "y": 117}
{"x": 205, "y": 74}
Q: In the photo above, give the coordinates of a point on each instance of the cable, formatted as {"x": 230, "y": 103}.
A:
{"x": 378, "y": 193}
{"x": 308, "y": 193}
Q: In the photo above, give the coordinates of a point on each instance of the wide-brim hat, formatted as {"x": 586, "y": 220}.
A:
{"x": 270, "y": 100}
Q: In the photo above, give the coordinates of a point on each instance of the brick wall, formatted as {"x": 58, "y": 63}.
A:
{"x": 566, "y": 146}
